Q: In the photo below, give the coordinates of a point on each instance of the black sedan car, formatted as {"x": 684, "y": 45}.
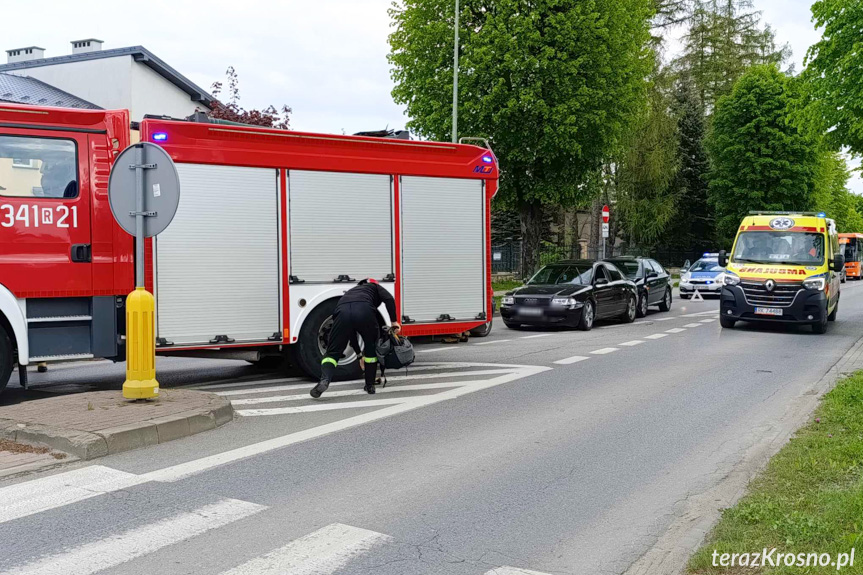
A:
{"x": 651, "y": 279}
{"x": 571, "y": 294}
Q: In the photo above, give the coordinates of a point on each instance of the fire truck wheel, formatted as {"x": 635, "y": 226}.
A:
{"x": 311, "y": 345}
{"x": 482, "y": 331}
{"x": 5, "y": 357}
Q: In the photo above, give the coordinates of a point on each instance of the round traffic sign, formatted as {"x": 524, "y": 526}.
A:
{"x": 605, "y": 214}
{"x": 161, "y": 188}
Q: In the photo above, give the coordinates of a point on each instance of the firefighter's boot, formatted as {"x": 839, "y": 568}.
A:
{"x": 370, "y": 371}
{"x": 327, "y": 369}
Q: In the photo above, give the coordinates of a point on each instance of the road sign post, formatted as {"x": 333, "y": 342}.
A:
{"x": 144, "y": 193}
{"x": 605, "y": 216}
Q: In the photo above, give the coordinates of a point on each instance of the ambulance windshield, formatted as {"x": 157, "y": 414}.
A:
{"x": 779, "y": 247}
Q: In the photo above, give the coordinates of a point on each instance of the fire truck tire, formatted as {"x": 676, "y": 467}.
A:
{"x": 308, "y": 351}
{"x": 5, "y": 357}
{"x": 482, "y": 331}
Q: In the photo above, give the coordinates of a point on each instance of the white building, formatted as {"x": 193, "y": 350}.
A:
{"x": 130, "y": 78}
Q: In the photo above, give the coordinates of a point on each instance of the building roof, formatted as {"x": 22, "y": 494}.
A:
{"x": 26, "y": 90}
{"x": 138, "y": 53}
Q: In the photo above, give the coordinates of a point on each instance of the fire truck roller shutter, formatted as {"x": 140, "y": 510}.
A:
{"x": 217, "y": 264}
{"x": 340, "y": 224}
{"x": 443, "y": 263}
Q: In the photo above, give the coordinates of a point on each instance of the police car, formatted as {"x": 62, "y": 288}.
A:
{"x": 705, "y": 275}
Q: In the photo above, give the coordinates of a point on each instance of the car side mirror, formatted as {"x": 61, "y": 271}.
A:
{"x": 651, "y": 275}
{"x": 723, "y": 259}
{"x": 600, "y": 281}
{"x": 838, "y": 262}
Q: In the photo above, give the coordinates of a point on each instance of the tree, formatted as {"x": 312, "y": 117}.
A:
{"x": 725, "y": 38}
{"x": 269, "y": 117}
{"x": 552, "y": 83}
{"x": 832, "y": 195}
{"x": 834, "y": 73}
{"x": 759, "y": 158}
{"x": 647, "y": 202}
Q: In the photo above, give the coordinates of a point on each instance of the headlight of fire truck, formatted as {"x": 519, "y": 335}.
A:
{"x": 507, "y": 300}
{"x": 816, "y": 284}
{"x": 731, "y": 279}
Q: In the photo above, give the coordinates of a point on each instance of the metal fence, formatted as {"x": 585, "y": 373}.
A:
{"x": 506, "y": 257}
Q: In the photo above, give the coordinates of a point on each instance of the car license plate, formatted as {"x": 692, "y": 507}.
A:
{"x": 530, "y": 311}
{"x": 768, "y": 311}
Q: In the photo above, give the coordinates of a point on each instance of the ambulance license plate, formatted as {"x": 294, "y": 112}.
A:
{"x": 768, "y": 311}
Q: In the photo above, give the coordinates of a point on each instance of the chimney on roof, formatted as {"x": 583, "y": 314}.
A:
{"x": 24, "y": 54}
{"x": 86, "y": 45}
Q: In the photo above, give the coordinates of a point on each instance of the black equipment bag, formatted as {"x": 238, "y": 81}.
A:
{"x": 394, "y": 352}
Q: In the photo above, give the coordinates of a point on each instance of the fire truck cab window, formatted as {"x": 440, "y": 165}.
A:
{"x": 38, "y": 167}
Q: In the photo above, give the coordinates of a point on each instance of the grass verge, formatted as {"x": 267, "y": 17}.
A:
{"x": 809, "y": 499}
{"x": 505, "y": 285}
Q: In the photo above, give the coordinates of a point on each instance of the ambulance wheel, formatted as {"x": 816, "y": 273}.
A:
{"x": 483, "y": 330}
{"x": 5, "y": 357}
{"x": 726, "y": 322}
{"x": 821, "y": 326}
{"x": 832, "y": 316}
{"x": 312, "y": 344}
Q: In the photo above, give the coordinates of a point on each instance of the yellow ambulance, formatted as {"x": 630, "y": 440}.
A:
{"x": 784, "y": 267}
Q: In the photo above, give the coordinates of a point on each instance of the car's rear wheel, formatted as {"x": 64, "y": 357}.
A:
{"x": 588, "y": 315}
{"x": 630, "y": 311}
{"x": 642, "y": 305}
{"x": 665, "y": 304}
{"x": 312, "y": 344}
{"x": 483, "y": 330}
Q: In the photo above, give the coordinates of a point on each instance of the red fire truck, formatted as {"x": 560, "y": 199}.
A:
{"x": 272, "y": 228}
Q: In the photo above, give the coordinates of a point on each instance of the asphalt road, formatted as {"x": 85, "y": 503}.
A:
{"x": 524, "y": 452}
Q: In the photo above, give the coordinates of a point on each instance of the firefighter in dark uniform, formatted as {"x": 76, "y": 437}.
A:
{"x": 356, "y": 313}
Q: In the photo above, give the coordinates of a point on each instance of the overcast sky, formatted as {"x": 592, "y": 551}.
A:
{"x": 326, "y": 58}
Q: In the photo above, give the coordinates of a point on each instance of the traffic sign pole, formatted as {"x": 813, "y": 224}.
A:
{"x": 156, "y": 188}
{"x": 604, "y": 226}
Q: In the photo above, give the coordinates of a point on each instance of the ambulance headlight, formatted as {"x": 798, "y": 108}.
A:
{"x": 816, "y": 284}
{"x": 731, "y": 279}
{"x": 507, "y": 300}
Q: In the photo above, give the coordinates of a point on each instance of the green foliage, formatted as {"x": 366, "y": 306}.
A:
{"x": 760, "y": 159}
{"x": 834, "y": 73}
{"x": 832, "y": 195}
{"x": 646, "y": 199}
{"x": 810, "y": 498}
{"x": 552, "y": 83}
{"x": 725, "y": 38}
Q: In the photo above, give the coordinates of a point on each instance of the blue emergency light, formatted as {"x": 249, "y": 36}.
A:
{"x": 822, "y": 215}
{"x": 487, "y": 159}
{"x": 160, "y": 136}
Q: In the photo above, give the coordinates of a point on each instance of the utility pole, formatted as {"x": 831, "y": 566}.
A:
{"x": 455, "y": 81}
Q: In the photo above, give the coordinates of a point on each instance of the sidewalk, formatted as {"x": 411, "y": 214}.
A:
{"x": 90, "y": 425}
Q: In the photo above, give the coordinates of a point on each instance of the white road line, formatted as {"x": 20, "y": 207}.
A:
{"x": 248, "y": 383}
{"x": 319, "y": 553}
{"x": 123, "y": 547}
{"x": 656, "y": 336}
{"x": 632, "y": 343}
{"x": 693, "y": 325}
{"x": 349, "y": 393}
{"x": 711, "y": 320}
{"x": 536, "y": 336}
{"x": 675, "y": 330}
{"x": 513, "y": 571}
{"x": 491, "y": 342}
{"x": 322, "y": 407}
{"x": 307, "y": 385}
{"x": 664, "y": 318}
{"x": 605, "y": 350}
{"x": 64, "y": 494}
{"x": 30, "y": 497}
{"x": 571, "y": 360}
{"x": 453, "y": 346}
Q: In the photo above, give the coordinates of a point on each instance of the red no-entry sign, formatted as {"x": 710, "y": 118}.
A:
{"x": 605, "y": 214}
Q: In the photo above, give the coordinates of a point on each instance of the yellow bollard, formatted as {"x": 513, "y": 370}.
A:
{"x": 140, "y": 346}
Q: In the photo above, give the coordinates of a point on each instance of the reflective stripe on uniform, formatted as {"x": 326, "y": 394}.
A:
{"x": 329, "y": 360}
{"x": 370, "y": 359}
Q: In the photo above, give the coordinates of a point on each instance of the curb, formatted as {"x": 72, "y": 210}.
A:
{"x": 90, "y": 445}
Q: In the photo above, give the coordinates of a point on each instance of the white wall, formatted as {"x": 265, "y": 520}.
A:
{"x": 106, "y": 82}
{"x": 153, "y": 94}
{"x": 117, "y": 83}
